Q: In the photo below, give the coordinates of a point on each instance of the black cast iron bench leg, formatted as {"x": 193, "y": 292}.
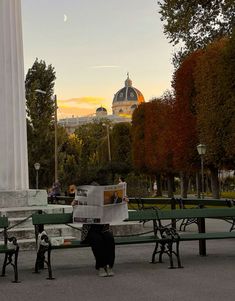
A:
{"x": 4, "y": 265}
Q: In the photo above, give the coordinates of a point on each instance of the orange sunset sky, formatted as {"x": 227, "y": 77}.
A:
{"x": 92, "y": 45}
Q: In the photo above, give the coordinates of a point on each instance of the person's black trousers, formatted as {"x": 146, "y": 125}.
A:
{"x": 102, "y": 243}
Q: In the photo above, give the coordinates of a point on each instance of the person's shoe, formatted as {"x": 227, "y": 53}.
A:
{"x": 110, "y": 271}
{"x": 102, "y": 272}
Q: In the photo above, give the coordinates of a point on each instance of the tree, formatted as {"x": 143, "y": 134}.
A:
{"x": 40, "y": 121}
{"x": 214, "y": 80}
{"x": 184, "y": 120}
{"x": 196, "y": 23}
{"x": 138, "y": 137}
{"x": 121, "y": 147}
{"x": 69, "y": 160}
{"x": 152, "y": 140}
{"x": 93, "y": 152}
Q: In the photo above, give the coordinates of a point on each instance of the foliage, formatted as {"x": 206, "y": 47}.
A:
{"x": 40, "y": 121}
{"x": 184, "y": 119}
{"x": 158, "y": 156}
{"x": 94, "y": 164}
{"x": 121, "y": 147}
{"x": 91, "y": 138}
{"x": 194, "y": 24}
{"x": 215, "y": 103}
{"x": 68, "y": 160}
{"x": 152, "y": 139}
{"x": 138, "y": 137}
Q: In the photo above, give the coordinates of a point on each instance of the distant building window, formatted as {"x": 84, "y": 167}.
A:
{"x": 120, "y": 95}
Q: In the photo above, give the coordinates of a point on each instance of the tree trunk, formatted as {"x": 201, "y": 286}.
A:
{"x": 198, "y": 185}
{"x": 159, "y": 184}
{"x": 184, "y": 184}
{"x": 170, "y": 185}
{"x": 214, "y": 182}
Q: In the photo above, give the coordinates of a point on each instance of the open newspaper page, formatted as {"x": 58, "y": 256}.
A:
{"x": 100, "y": 204}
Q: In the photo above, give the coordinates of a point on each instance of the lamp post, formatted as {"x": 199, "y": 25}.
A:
{"x": 37, "y": 167}
{"x": 108, "y": 141}
{"x": 201, "y": 148}
{"x": 56, "y": 139}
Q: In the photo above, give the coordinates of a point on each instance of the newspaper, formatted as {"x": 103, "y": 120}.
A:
{"x": 100, "y": 204}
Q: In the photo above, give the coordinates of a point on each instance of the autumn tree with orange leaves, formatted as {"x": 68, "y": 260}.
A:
{"x": 184, "y": 120}
{"x": 151, "y": 134}
{"x": 214, "y": 82}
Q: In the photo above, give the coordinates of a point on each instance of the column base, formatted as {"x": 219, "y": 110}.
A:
{"x": 23, "y": 198}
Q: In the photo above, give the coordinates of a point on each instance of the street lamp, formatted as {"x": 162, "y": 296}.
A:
{"x": 37, "y": 167}
{"x": 201, "y": 148}
{"x": 56, "y": 140}
{"x": 40, "y": 91}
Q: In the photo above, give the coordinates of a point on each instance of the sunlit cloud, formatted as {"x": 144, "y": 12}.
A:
{"x": 81, "y": 106}
{"x": 105, "y": 66}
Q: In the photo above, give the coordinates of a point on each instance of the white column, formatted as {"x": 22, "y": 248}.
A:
{"x": 13, "y": 139}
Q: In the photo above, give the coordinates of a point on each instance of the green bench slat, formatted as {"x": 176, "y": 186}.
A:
{"x": 137, "y": 215}
{"x": 71, "y": 244}
{"x": 3, "y": 222}
{"x": 53, "y": 218}
{"x": 208, "y": 235}
{"x": 196, "y": 213}
{"x": 134, "y": 239}
{"x": 5, "y": 249}
{"x": 150, "y": 214}
{"x": 118, "y": 241}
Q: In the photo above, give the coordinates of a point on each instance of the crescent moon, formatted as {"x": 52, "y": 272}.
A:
{"x": 65, "y": 18}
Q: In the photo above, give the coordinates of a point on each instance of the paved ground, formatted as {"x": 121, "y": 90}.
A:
{"x": 203, "y": 278}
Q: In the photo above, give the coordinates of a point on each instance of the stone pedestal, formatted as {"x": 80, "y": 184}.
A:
{"x": 23, "y": 198}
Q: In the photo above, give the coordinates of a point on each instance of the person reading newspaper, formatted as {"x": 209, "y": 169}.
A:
{"x": 101, "y": 240}
{"x": 96, "y": 229}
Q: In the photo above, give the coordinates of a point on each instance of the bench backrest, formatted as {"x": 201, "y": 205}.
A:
{"x": 4, "y": 222}
{"x": 193, "y": 202}
{"x": 151, "y": 214}
{"x": 52, "y": 218}
{"x": 196, "y": 213}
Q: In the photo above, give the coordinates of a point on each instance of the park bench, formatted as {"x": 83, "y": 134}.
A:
{"x": 165, "y": 239}
{"x": 9, "y": 248}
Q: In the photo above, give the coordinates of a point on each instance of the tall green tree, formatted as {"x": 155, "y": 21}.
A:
{"x": 69, "y": 159}
{"x": 121, "y": 148}
{"x": 93, "y": 146}
{"x": 40, "y": 109}
{"x": 193, "y": 24}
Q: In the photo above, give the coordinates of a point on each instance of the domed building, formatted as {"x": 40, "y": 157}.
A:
{"x": 124, "y": 103}
{"x": 126, "y": 99}
{"x": 101, "y": 112}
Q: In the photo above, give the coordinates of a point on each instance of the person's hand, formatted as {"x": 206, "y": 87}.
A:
{"x": 74, "y": 203}
{"x": 125, "y": 199}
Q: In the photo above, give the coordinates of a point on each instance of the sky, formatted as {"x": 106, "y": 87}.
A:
{"x": 92, "y": 44}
